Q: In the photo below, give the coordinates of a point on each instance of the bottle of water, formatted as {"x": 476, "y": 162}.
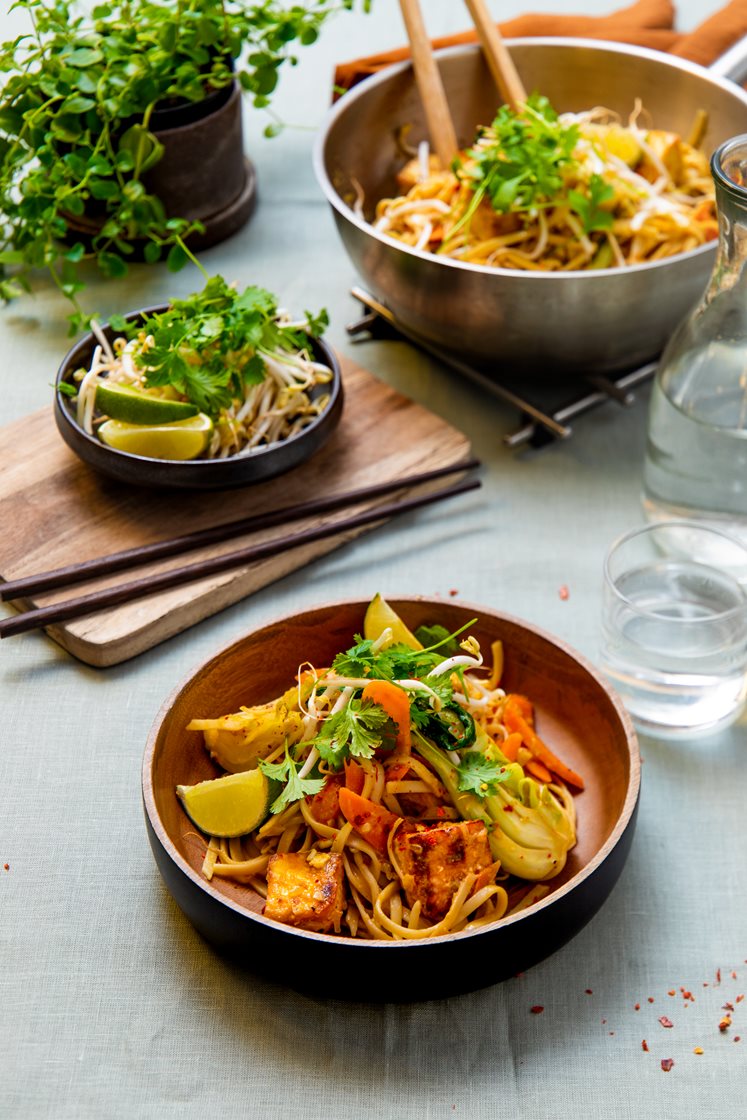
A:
{"x": 696, "y": 453}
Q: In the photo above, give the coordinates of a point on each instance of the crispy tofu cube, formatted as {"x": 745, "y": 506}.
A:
{"x": 435, "y": 858}
{"x": 305, "y": 889}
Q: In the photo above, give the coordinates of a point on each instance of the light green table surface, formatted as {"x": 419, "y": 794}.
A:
{"x": 112, "y": 1006}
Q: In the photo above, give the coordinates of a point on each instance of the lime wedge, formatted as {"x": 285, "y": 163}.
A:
{"x": 379, "y": 616}
{"x": 229, "y": 806}
{"x": 182, "y": 439}
{"x": 122, "y": 402}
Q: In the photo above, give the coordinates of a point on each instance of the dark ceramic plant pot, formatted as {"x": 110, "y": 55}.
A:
{"x": 203, "y": 174}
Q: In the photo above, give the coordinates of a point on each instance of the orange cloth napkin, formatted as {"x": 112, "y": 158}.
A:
{"x": 646, "y": 23}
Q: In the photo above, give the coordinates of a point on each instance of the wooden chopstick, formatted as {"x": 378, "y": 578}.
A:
{"x": 136, "y": 589}
{"x": 175, "y": 546}
{"x": 497, "y": 56}
{"x": 431, "y": 88}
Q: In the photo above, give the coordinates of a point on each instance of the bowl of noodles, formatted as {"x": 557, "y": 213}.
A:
{"x": 218, "y": 390}
{"x": 402, "y": 787}
{"x": 569, "y": 238}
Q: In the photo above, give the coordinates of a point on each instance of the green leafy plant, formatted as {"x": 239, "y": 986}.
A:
{"x": 76, "y": 105}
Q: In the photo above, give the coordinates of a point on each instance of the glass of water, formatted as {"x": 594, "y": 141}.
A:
{"x": 674, "y": 627}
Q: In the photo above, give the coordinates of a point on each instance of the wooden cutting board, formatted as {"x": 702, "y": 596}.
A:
{"x": 55, "y": 511}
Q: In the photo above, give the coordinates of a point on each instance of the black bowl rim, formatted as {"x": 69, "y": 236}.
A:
{"x": 624, "y": 820}
{"x": 362, "y": 89}
{"x": 192, "y": 470}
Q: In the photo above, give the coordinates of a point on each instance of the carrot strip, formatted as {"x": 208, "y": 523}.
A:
{"x": 538, "y": 770}
{"x": 371, "y": 821}
{"x": 510, "y": 746}
{"x": 396, "y": 703}
{"x": 355, "y": 775}
{"x": 515, "y": 721}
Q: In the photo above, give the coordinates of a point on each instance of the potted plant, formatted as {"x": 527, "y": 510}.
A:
{"x": 120, "y": 129}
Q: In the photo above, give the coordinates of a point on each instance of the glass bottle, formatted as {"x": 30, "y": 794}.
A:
{"x": 696, "y": 453}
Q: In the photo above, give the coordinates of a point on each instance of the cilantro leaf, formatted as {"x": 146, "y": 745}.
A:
{"x": 477, "y": 774}
{"x": 521, "y": 160}
{"x": 354, "y": 732}
{"x": 589, "y": 209}
{"x": 295, "y": 786}
{"x": 209, "y": 346}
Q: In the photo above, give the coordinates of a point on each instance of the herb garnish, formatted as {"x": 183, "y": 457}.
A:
{"x": 356, "y": 731}
{"x": 296, "y": 787}
{"x": 524, "y": 164}
{"x": 480, "y": 775}
{"x": 209, "y": 346}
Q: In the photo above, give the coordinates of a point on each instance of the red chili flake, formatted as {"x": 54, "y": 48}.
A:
{"x": 563, "y": 593}
{"x": 588, "y": 991}
{"x": 688, "y": 995}
{"x": 6, "y": 867}
{"x": 671, "y": 992}
{"x": 650, "y": 999}
{"x": 725, "y": 1023}
{"x": 727, "y": 1007}
{"x": 644, "y": 1046}
{"x": 666, "y": 1064}
{"x": 737, "y": 1038}
{"x": 698, "y": 1050}
{"x": 665, "y": 1022}
{"x": 705, "y": 983}
{"x": 739, "y": 999}
{"x": 612, "y": 1032}
{"x": 603, "y": 1021}
{"x": 508, "y": 808}
{"x": 453, "y": 591}
{"x": 638, "y": 1007}
{"x": 733, "y": 975}
{"x": 718, "y": 975}
{"x": 537, "y": 1009}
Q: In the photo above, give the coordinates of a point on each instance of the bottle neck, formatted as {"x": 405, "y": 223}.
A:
{"x": 729, "y": 168}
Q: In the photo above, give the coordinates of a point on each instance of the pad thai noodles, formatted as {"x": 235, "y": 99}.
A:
{"x": 233, "y": 358}
{"x": 538, "y": 191}
{"x": 409, "y": 795}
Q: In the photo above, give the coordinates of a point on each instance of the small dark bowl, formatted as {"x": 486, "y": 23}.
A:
{"x": 576, "y": 712}
{"x": 195, "y": 474}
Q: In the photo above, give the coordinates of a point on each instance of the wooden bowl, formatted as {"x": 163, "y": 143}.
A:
{"x": 576, "y": 712}
{"x": 195, "y": 474}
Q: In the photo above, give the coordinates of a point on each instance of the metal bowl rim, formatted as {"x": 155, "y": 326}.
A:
{"x": 602, "y": 45}
{"x": 624, "y": 820}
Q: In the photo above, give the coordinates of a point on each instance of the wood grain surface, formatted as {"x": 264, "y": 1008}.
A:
{"x": 57, "y": 511}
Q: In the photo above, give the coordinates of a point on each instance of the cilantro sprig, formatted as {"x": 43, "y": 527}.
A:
{"x": 356, "y": 731}
{"x": 295, "y": 787}
{"x": 478, "y": 774}
{"x": 526, "y": 164}
{"x": 209, "y": 346}
{"x": 589, "y": 208}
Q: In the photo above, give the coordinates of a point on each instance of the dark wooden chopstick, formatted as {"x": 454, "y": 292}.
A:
{"x": 147, "y": 585}
{"x": 176, "y": 546}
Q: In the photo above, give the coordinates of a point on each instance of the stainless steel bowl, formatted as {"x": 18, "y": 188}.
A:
{"x": 573, "y": 322}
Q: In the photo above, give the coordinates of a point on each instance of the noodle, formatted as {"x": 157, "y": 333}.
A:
{"x": 658, "y": 201}
{"x": 418, "y": 854}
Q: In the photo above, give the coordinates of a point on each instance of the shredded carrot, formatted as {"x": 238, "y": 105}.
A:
{"x": 371, "y": 821}
{"x": 355, "y": 776}
{"x": 515, "y": 720}
{"x": 510, "y": 746}
{"x": 396, "y": 703}
{"x": 538, "y": 770}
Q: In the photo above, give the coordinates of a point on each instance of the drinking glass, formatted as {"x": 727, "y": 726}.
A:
{"x": 674, "y": 627}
